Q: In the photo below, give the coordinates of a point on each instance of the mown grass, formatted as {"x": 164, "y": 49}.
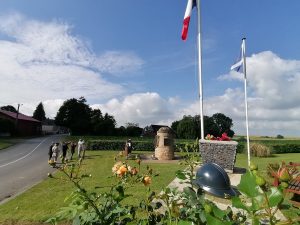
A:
{"x": 45, "y": 199}
{"x": 7, "y": 142}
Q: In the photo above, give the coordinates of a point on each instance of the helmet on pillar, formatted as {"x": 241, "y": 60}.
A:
{"x": 213, "y": 179}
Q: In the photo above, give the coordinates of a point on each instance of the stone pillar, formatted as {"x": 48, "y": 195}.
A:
{"x": 222, "y": 153}
{"x": 165, "y": 147}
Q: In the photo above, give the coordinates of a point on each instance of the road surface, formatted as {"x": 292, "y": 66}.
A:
{"x": 23, "y": 165}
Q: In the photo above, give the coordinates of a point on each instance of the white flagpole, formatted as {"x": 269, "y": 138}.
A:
{"x": 246, "y": 103}
{"x": 200, "y": 70}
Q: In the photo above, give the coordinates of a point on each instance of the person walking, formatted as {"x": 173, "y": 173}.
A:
{"x": 55, "y": 152}
{"x": 50, "y": 150}
{"x": 73, "y": 146}
{"x": 64, "y": 150}
{"x": 80, "y": 148}
{"x": 129, "y": 146}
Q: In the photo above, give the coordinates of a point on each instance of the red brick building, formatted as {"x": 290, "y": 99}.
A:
{"x": 26, "y": 125}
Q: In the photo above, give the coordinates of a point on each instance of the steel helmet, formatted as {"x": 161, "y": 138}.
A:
{"x": 213, "y": 179}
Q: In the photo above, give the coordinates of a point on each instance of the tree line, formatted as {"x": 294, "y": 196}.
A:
{"x": 81, "y": 119}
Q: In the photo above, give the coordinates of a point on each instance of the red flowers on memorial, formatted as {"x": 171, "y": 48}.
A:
{"x": 224, "y": 137}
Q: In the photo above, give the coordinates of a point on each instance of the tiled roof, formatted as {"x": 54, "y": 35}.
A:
{"x": 20, "y": 117}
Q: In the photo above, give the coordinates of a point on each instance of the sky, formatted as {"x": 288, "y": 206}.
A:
{"x": 127, "y": 59}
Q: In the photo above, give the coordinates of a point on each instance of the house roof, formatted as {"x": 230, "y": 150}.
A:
{"x": 20, "y": 116}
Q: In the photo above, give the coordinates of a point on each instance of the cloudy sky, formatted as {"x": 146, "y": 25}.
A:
{"x": 127, "y": 58}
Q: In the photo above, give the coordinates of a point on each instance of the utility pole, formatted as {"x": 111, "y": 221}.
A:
{"x": 17, "y": 117}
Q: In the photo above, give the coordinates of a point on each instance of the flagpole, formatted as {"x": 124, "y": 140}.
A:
{"x": 200, "y": 70}
{"x": 246, "y": 102}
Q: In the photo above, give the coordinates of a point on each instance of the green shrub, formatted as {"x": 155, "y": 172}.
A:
{"x": 240, "y": 147}
{"x": 286, "y": 148}
{"x": 279, "y": 136}
{"x": 118, "y": 145}
{"x": 260, "y": 150}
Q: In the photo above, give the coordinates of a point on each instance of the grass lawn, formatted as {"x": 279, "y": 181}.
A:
{"x": 6, "y": 142}
{"x": 44, "y": 199}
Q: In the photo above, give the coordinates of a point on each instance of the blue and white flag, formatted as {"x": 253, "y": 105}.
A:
{"x": 240, "y": 61}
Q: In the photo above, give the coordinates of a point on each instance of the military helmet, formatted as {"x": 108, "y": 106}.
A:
{"x": 213, "y": 179}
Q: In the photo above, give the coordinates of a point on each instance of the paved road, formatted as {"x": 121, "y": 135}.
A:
{"x": 23, "y": 165}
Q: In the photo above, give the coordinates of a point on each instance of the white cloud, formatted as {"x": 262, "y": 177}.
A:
{"x": 274, "y": 103}
{"x": 44, "y": 61}
{"x": 118, "y": 63}
{"x": 142, "y": 108}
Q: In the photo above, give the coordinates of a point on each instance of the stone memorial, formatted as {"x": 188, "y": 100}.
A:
{"x": 164, "y": 147}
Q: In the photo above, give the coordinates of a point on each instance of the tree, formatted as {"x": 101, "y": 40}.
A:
{"x": 9, "y": 108}
{"x": 216, "y": 125}
{"x": 133, "y": 129}
{"x": 279, "y": 136}
{"x": 39, "y": 113}
{"x": 97, "y": 122}
{"x": 109, "y": 124}
{"x": 174, "y": 125}
{"x": 223, "y": 124}
{"x": 76, "y": 115}
{"x": 187, "y": 128}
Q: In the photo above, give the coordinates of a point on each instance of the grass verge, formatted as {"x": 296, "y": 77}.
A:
{"x": 44, "y": 199}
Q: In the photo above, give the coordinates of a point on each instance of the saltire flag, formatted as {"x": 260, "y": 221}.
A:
{"x": 239, "y": 62}
{"x": 187, "y": 16}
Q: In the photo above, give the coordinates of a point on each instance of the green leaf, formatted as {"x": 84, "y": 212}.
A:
{"x": 215, "y": 221}
{"x": 237, "y": 203}
{"x": 183, "y": 222}
{"x": 258, "y": 202}
{"x": 218, "y": 212}
{"x": 248, "y": 185}
{"x": 275, "y": 197}
{"x": 180, "y": 175}
{"x": 120, "y": 190}
{"x": 190, "y": 192}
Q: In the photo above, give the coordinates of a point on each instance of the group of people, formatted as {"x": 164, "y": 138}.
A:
{"x": 54, "y": 150}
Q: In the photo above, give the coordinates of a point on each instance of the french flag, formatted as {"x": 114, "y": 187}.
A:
{"x": 187, "y": 16}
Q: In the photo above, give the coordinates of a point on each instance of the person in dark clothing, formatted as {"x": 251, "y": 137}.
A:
{"x": 73, "y": 146}
{"x": 64, "y": 150}
{"x": 129, "y": 146}
{"x": 50, "y": 151}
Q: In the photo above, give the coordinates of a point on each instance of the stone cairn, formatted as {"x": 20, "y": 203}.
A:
{"x": 164, "y": 146}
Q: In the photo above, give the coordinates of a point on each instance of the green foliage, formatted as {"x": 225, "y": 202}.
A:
{"x": 118, "y": 145}
{"x": 222, "y": 124}
{"x": 260, "y": 202}
{"x": 189, "y": 127}
{"x": 74, "y": 114}
{"x": 39, "y": 112}
{"x": 279, "y": 136}
{"x": 286, "y": 148}
{"x": 9, "y": 108}
{"x": 260, "y": 150}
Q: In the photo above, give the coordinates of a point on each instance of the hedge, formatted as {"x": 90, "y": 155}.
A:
{"x": 118, "y": 145}
{"x": 147, "y": 145}
{"x": 276, "y": 148}
{"x": 288, "y": 148}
